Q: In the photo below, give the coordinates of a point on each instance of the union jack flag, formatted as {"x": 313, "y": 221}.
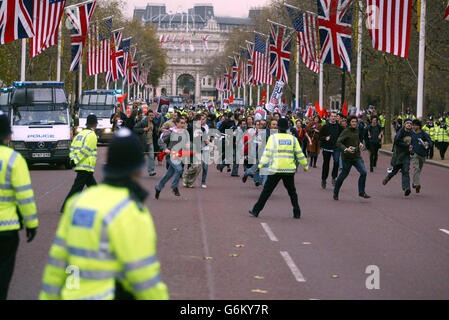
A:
{"x": 335, "y": 19}
{"x": 115, "y": 67}
{"x": 280, "y": 52}
{"x": 250, "y": 63}
{"x": 227, "y": 79}
{"x": 80, "y": 17}
{"x": 47, "y": 19}
{"x": 126, "y": 48}
{"x": 16, "y": 20}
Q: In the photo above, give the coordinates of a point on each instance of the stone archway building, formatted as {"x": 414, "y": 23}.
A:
{"x": 190, "y": 39}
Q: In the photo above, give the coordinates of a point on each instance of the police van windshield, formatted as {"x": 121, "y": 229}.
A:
{"x": 100, "y": 112}
{"x": 4, "y": 99}
{"x": 28, "y": 116}
{"x": 175, "y": 100}
{"x": 98, "y": 99}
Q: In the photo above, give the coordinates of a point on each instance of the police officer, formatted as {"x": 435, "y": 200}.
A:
{"x": 17, "y": 205}
{"x": 442, "y": 137}
{"x": 108, "y": 234}
{"x": 430, "y": 129}
{"x": 83, "y": 156}
{"x": 281, "y": 156}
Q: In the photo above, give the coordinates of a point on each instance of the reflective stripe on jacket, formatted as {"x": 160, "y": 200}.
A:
{"x": 105, "y": 238}
{"x": 16, "y": 192}
{"x": 282, "y": 154}
{"x": 84, "y": 151}
{"x": 442, "y": 135}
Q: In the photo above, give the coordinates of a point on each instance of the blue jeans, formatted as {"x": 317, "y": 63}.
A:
{"x": 205, "y": 165}
{"x": 347, "y": 165}
{"x": 150, "y": 158}
{"x": 175, "y": 170}
{"x": 257, "y": 176}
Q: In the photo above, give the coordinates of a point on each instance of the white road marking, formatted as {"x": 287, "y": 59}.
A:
{"x": 294, "y": 269}
{"x": 444, "y": 230}
{"x": 269, "y": 232}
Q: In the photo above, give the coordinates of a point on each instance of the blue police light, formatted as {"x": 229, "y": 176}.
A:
{"x": 19, "y": 84}
{"x": 119, "y": 91}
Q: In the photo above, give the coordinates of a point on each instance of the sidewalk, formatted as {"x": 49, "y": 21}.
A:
{"x": 386, "y": 149}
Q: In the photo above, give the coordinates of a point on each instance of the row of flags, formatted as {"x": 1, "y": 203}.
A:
{"x": 325, "y": 38}
{"x": 40, "y": 21}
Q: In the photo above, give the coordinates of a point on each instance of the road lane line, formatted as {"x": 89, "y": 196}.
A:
{"x": 206, "y": 251}
{"x": 294, "y": 269}
{"x": 444, "y": 230}
{"x": 269, "y": 232}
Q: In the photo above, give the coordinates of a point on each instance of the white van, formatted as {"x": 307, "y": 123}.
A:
{"x": 101, "y": 103}
{"x": 40, "y": 122}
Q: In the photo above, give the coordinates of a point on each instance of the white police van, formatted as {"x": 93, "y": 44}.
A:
{"x": 40, "y": 122}
{"x": 101, "y": 103}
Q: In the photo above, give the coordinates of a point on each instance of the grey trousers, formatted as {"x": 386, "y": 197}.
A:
{"x": 418, "y": 163}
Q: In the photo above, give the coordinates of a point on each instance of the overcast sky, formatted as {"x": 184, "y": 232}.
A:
{"x": 232, "y": 8}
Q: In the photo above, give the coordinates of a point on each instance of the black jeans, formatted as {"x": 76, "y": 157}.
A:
{"x": 272, "y": 182}
{"x": 373, "y": 154}
{"x": 443, "y": 148}
{"x": 83, "y": 178}
{"x": 326, "y": 164}
{"x": 9, "y": 243}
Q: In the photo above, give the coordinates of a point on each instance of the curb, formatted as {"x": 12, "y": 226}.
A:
{"x": 431, "y": 162}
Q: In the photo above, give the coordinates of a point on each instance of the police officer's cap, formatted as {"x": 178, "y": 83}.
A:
{"x": 125, "y": 155}
{"x": 5, "y": 126}
{"x": 92, "y": 120}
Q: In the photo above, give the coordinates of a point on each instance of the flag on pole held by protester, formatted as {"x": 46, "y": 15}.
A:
{"x": 280, "y": 52}
{"x": 335, "y": 19}
{"x": 389, "y": 24}
{"x": 306, "y": 25}
{"x": 16, "y": 20}
{"x": 47, "y": 19}
{"x": 99, "y": 48}
{"x": 80, "y": 17}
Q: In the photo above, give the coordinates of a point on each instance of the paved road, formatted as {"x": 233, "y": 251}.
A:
{"x": 210, "y": 248}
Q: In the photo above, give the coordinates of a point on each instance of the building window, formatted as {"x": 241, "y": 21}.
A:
{"x": 209, "y": 81}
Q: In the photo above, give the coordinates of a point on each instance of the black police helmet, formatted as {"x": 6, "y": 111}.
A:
{"x": 92, "y": 120}
{"x": 5, "y": 126}
{"x": 125, "y": 155}
{"x": 283, "y": 124}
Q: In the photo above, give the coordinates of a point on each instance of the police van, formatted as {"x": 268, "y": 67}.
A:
{"x": 40, "y": 122}
{"x": 101, "y": 103}
{"x": 5, "y": 100}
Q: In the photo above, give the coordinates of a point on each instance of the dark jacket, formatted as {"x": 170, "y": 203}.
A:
{"x": 139, "y": 130}
{"x": 418, "y": 146}
{"x": 349, "y": 138}
{"x": 402, "y": 143}
{"x": 332, "y": 130}
{"x": 122, "y": 116}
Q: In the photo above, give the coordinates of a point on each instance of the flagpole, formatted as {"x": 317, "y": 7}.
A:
{"x": 23, "y": 66}
{"x": 258, "y": 95}
{"x": 359, "y": 59}
{"x": 96, "y": 82}
{"x": 58, "y": 66}
{"x": 321, "y": 85}
{"x": 297, "y": 75}
{"x": 250, "y": 95}
{"x": 422, "y": 52}
{"x": 80, "y": 79}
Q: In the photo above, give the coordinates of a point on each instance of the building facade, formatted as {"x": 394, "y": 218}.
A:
{"x": 190, "y": 40}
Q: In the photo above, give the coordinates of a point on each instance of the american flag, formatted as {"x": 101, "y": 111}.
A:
{"x": 99, "y": 50}
{"x": 334, "y": 19}
{"x": 16, "y": 20}
{"x": 389, "y": 24}
{"x": 306, "y": 25}
{"x": 48, "y": 14}
{"x": 261, "y": 65}
{"x": 80, "y": 17}
{"x": 280, "y": 52}
{"x": 446, "y": 14}
{"x": 115, "y": 67}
